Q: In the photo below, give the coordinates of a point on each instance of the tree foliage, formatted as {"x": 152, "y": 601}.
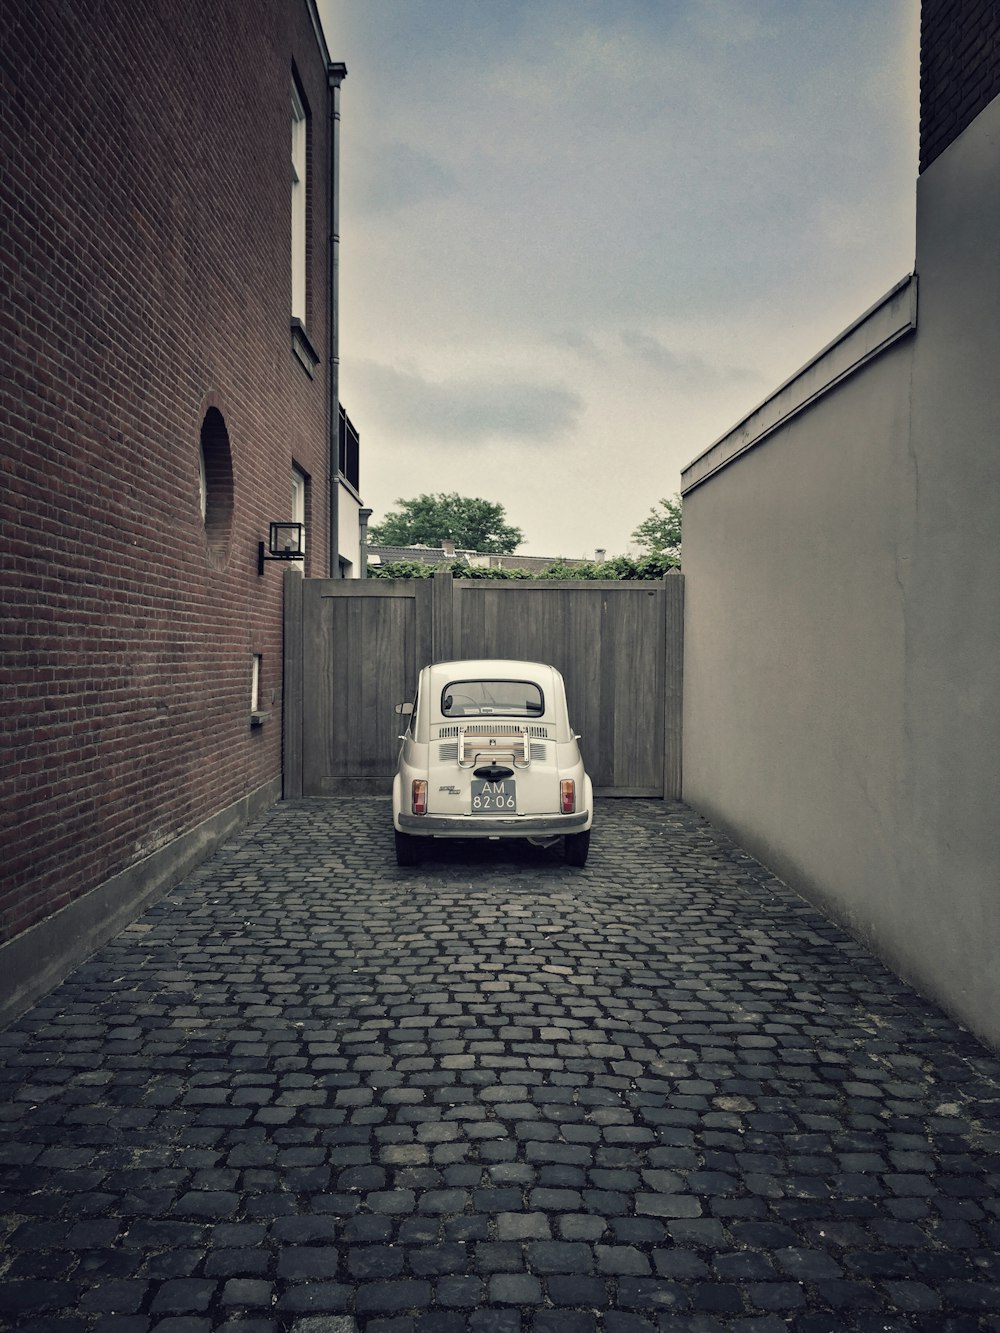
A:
{"x": 660, "y": 532}
{"x": 418, "y": 569}
{"x": 430, "y": 520}
{"x": 620, "y": 567}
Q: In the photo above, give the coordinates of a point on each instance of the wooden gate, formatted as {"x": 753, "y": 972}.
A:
{"x": 353, "y": 649}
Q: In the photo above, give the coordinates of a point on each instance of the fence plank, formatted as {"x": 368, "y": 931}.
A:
{"x": 442, "y": 616}
{"x": 291, "y": 702}
{"x": 318, "y": 684}
{"x": 673, "y": 686}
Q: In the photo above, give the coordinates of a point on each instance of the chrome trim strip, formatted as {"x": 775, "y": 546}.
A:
{"x": 516, "y": 826}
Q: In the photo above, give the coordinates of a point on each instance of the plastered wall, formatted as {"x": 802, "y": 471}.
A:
{"x": 842, "y": 628}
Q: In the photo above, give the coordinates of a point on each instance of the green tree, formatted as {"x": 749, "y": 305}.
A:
{"x": 620, "y": 567}
{"x": 660, "y": 532}
{"x": 428, "y": 520}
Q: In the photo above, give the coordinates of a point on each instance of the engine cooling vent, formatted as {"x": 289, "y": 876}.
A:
{"x": 494, "y": 729}
{"x": 448, "y": 750}
{"x": 538, "y": 751}
{"x": 500, "y": 729}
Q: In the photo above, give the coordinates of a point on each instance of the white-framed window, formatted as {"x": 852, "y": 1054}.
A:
{"x": 299, "y": 145}
{"x": 300, "y": 483}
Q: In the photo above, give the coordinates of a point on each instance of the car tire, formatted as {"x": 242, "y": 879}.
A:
{"x": 575, "y": 848}
{"x": 407, "y": 849}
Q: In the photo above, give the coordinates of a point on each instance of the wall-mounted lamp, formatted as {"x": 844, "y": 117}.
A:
{"x": 284, "y": 543}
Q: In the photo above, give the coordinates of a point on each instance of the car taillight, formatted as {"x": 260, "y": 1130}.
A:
{"x": 567, "y": 796}
{"x": 419, "y": 797}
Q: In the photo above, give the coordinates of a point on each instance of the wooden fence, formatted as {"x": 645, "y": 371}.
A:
{"x": 353, "y": 649}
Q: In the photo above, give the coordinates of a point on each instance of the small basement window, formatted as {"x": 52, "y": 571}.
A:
{"x": 258, "y": 715}
{"x": 255, "y": 682}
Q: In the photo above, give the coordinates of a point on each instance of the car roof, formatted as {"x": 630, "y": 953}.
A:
{"x": 437, "y": 676}
{"x": 497, "y": 668}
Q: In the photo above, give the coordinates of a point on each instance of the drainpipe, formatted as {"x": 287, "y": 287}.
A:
{"x": 335, "y": 74}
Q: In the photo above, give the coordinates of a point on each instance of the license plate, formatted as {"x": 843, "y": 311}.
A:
{"x": 494, "y": 798}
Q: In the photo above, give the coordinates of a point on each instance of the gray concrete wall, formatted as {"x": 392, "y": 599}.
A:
{"x": 842, "y": 627}
{"x": 950, "y": 857}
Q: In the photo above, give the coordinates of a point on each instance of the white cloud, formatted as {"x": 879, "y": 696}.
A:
{"x": 467, "y": 411}
{"x": 683, "y": 370}
{"x": 397, "y": 176}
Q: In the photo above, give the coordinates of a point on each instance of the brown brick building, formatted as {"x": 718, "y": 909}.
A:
{"x": 168, "y": 332}
{"x": 959, "y": 69}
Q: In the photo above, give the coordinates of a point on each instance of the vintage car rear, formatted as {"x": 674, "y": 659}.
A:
{"x": 489, "y": 753}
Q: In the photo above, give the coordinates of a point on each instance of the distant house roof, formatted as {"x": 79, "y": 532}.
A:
{"x": 531, "y": 563}
{"x": 439, "y": 555}
{"x": 425, "y": 555}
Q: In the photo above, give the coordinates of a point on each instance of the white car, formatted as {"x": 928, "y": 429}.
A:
{"x": 489, "y": 753}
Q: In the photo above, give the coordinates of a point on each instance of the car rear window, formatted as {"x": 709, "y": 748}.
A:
{"x": 479, "y": 698}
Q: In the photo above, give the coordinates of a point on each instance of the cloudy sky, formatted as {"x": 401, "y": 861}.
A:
{"x": 580, "y": 239}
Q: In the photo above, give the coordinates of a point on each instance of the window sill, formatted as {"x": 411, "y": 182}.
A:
{"x": 351, "y": 489}
{"x": 303, "y": 348}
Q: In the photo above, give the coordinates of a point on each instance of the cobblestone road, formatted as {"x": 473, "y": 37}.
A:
{"x": 310, "y": 1091}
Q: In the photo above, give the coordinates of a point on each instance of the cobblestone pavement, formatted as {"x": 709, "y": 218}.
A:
{"x": 310, "y": 1091}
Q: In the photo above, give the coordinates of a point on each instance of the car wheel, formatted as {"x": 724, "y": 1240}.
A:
{"x": 407, "y": 849}
{"x": 575, "y": 848}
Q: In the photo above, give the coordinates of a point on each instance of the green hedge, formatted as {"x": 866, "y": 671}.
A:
{"x": 620, "y": 567}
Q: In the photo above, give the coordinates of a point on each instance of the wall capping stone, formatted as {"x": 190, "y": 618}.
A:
{"x": 891, "y": 318}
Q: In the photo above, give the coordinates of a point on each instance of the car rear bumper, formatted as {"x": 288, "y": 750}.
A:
{"x": 472, "y": 826}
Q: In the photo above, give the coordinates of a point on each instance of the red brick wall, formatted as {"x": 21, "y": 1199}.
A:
{"x": 959, "y": 68}
{"x": 145, "y": 269}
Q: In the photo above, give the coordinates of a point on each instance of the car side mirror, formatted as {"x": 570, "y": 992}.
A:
{"x": 404, "y": 710}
